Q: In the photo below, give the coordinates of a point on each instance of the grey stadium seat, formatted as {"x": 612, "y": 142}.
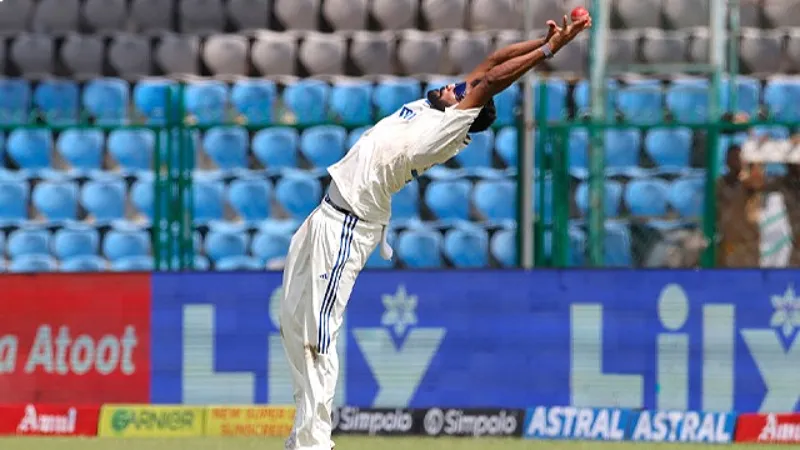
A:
{"x": 572, "y": 58}
{"x": 298, "y": 14}
{"x": 762, "y": 50}
{"x": 323, "y": 54}
{"x": 275, "y": 53}
{"x": 467, "y": 50}
{"x": 83, "y": 55}
{"x": 15, "y": 16}
{"x": 152, "y": 15}
{"x": 105, "y": 15}
{"x": 56, "y": 16}
{"x": 622, "y": 46}
{"x": 445, "y": 14}
{"x": 686, "y": 13}
{"x": 783, "y": 13}
{"x": 395, "y": 14}
{"x": 178, "y": 54}
{"x": 249, "y": 14}
{"x": 501, "y": 14}
{"x": 664, "y": 46}
{"x": 508, "y": 37}
{"x": 129, "y": 55}
{"x": 33, "y": 54}
{"x": 373, "y": 52}
{"x": 793, "y": 48}
{"x": 750, "y": 14}
{"x": 346, "y": 14}
{"x": 698, "y": 45}
{"x": 2, "y": 54}
{"x": 201, "y": 16}
{"x": 638, "y": 13}
{"x": 226, "y": 54}
{"x": 419, "y": 52}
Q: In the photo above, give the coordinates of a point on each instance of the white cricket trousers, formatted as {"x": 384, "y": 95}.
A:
{"x": 325, "y": 257}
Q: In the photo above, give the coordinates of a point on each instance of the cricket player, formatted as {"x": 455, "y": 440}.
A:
{"x": 331, "y": 247}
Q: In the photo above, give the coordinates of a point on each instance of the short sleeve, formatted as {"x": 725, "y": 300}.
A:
{"x": 439, "y": 140}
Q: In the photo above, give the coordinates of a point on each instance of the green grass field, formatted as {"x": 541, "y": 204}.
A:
{"x": 350, "y": 443}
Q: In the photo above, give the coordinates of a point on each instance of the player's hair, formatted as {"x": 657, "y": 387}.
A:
{"x": 485, "y": 119}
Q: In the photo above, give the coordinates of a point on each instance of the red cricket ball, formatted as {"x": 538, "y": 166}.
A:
{"x": 578, "y": 13}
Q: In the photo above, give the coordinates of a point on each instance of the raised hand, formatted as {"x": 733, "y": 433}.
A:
{"x": 557, "y": 36}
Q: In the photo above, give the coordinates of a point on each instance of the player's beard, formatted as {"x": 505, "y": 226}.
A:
{"x": 435, "y": 99}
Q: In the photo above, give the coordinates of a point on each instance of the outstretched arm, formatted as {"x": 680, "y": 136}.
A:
{"x": 506, "y": 53}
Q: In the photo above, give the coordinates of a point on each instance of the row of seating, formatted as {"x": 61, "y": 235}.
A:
{"x": 217, "y": 15}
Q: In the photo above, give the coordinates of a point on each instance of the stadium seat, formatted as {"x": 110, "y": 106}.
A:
{"x": 686, "y": 196}
{"x": 206, "y": 101}
{"x": 623, "y": 47}
{"x": 178, "y": 54}
{"x": 234, "y": 263}
{"x": 507, "y": 103}
{"x": 449, "y": 200}
{"x": 30, "y": 148}
{"x": 58, "y": 101}
{"x": 467, "y": 247}
{"x": 88, "y": 263}
{"x": 307, "y": 99}
{"x": 248, "y": 14}
{"x": 208, "y": 201}
{"x": 503, "y": 247}
{"x": 467, "y": 50}
{"x": 354, "y": 136}
{"x": 106, "y": 99}
{"x": 420, "y": 249}
{"x": 75, "y": 241}
{"x": 124, "y": 243}
{"x": 33, "y": 264}
{"x": 782, "y": 98}
{"x": 405, "y": 203}
{"x": 556, "y": 101}
{"x": 376, "y": 261}
{"x": 445, "y": 14}
{"x": 33, "y": 54}
{"x": 104, "y": 200}
{"x": 83, "y": 55}
{"x": 297, "y": 14}
{"x": 669, "y": 148}
{"x": 506, "y": 144}
{"x": 390, "y": 95}
{"x": 548, "y": 196}
{"x": 276, "y": 148}
{"x": 762, "y": 51}
{"x": 226, "y": 54}
{"x": 323, "y": 53}
{"x": 56, "y": 16}
{"x": 622, "y": 148}
{"x": 478, "y": 154}
{"x": 496, "y": 199}
{"x": 641, "y": 102}
{"x": 227, "y": 147}
{"x": 28, "y": 241}
{"x": 254, "y": 99}
{"x": 612, "y": 196}
{"x": 132, "y": 148}
{"x": 219, "y": 244}
{"x": 15, "y": 100}
{"x": 268, "y": 246}
{"x": 13, "y": 202}
{"x": 664, "y": 46}
{"x": 395, "y": 14}
{"x": 419, "y": 52}
{"x": 687, "y": 100}
{"x": 142, "y": 196}
{"x": 152, "y": 98}
{"x": 350, "y": 102}
{"x": 105, "y": 16}
{"x": 748, "y": 95}
{"x": 578, "y": 152}
{"x": 646, "y": 197}
{"x": 498, "y": 14}
{"x": 152, "y": 15}
{"x": 82, "y": 148}
{"x": 298, "y": 194}
{"x": 15, "y": 16}
{"x": 250, "y": 199}
{"x": 201, "y": 16}
{"x": 323, "y": 145}
{"x": 56, "y": 201}
{"x": 617, "y": 245}
{"x": 133, "y": 264}
{"x": 582, "y": 96}
{"x": 372, "y": 52}
{"x": 274, "y": 53}
{"x": 129, "y": 54}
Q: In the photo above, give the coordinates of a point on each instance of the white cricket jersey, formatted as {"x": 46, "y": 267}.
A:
{"x": 393, "y": 152}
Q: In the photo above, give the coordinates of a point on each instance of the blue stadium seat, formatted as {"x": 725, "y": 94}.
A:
{"x": 646, "y": 197}
{"x": 89, "y": 263}
{"x": 3, "y": 265}
{"x": 107, "y": 99}
{"x": 467, "y": 246}
{"x": 268, "y": 246}
{"x": 577, "y": 246}
{"x": 82, "y": 148}
{"x": 622, "y": 148}
{"x": 351, "y": 102}
{"x": 276, "y": 148}
{"x": 748, "y": 94}
{"x": 298, "y": 193}
{"x": 496, "y": 199}
{"x": 503, "y": 247}
{"x": 687, "y": 100}
{"x": 578, "y": 150}
{"x": 354, "y": 136}
{"x": 686, "y": 196}
{"x": 405, "y": 203}
{"x": 641, "y": 102}
{"x": 132, "y": 149}
{"x": 15, "y": 100}
{"x": 420, "y": 249}
{"x": 201, "y": 263}
{"x": 388, "y": 96}
{"x": 33, "y": 264}
{"x": 376, "y": 261}
{"x": 556, "y": 98}
{"x": 323, "y": 145}
{"x": 582, "y": 96}
{"x": 208, "y": 201}
{"x": 548, "y": 197}
{"x": 254, "y": 99}
{"x": 507, "y": 145}
{"x": 617, "y": 245}
{"x": 133, "y": 264}
{"x": 449, "y": 199}
{"x": 123, "y": 243}
{"x": 227, "y": 147}
{"x": 612, "y": 196}
{"x": 307, "y": 100}
{"x": 142, "y": 196}
{"x": 155, "y": 98}
{"x": 234, "y": 263}
{"x": 206, "y": 101}
{"x": 28, "y": 241}
{"x": 506, "y": 103}
{"x": 13, "y": 202}
{"x": 478, "y": 154}
{"x": 669, "y": 148}
{"x": 782, "y": 98}
{"x": 56, "y": 200}
{"x": 75, "y": 241}
{"x": 104, "y": 199}
{"x": 250, "y": 199}
{"x": 58, "y": 101}
{"x": 771, "y": 132}
{"x": 223, "y": 244}
{"x": 30, "y": 148}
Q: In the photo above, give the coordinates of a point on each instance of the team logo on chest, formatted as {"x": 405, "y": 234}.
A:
{"x": 406, "y": 113}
